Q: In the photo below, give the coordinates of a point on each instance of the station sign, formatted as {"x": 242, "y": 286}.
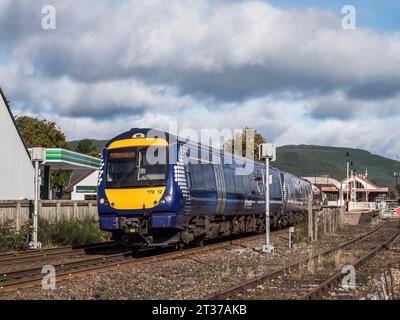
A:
{"x": 86, "y": 189}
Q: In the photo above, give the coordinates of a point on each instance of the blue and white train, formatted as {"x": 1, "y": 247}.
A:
{"x": 156, "y": 189}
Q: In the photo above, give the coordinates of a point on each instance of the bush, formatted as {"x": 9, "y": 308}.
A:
{"x": 10, "y": 239}
{"x": 64, "y": 232}
{"x": 70, "y": 232}
{"x": 45, "y": 232}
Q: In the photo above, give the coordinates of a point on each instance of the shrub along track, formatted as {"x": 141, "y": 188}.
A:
{"x": 313, "y": 277}
{"x": 25, "y": 278}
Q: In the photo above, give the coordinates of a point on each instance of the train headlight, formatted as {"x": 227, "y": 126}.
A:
{"x": 102, "y": 201}
{"x": 168, "y": 198}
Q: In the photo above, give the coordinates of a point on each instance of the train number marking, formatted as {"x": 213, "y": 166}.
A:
{"x": 154, "y": 191}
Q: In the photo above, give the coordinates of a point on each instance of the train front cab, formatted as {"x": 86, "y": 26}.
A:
{"x": 136, "y": 198}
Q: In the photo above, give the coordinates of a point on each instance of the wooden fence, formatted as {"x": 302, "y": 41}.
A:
{"x": 51, "y": 210}
{"x": 326, "y": 220}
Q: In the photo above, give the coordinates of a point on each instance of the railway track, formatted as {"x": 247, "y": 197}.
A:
{"x": 314, "y": 276}
{"x": 374, "y": 277}
{"x": 11, "y": 258}
{"x": 31, "y": 277}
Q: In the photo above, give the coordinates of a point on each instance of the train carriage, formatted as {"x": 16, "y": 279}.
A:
{"x": 157, "y": 189}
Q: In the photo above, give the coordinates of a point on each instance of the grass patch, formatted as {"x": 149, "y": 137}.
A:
{"x": 103, "y": 291}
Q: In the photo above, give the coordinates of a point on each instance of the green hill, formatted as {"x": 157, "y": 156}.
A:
{"x": 308, "y": 160}
{"x": 97, "y": 143}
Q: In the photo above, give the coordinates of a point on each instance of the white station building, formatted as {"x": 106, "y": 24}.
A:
{"x": 17, "y": 178}
{"x": 17, "y": 173}
{"x": 86, "y": 189}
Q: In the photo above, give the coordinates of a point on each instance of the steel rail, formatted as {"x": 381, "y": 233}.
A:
{"x": 324, "y": 288}
{"x": 234, "y": 290}
{"x": 16, "y": 255}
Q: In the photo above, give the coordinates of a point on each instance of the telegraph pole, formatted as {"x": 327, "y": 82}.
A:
{"x": 354, "y": 188}
{"x": 267, "y": 152}
{"x": 348, "y": 180}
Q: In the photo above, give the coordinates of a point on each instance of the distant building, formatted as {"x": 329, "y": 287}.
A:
{"x": 17, "y": 170}
{"x": 361, "y": 193}
{"x": 362, "y": 189}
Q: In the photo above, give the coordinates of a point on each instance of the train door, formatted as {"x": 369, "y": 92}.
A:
{"x": 221, "y": 189}
{"x": 231, "y": 195}
{"x": 276, "y": 191}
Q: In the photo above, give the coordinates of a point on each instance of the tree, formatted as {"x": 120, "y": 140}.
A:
{"x": 42, "y": 133}
{"x": 87, "y": 146}
{"x": 241, "y": 138}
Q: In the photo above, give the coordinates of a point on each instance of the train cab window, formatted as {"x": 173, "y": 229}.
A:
{"x": 203, "y": 177}
{"x": 136, "y": 167}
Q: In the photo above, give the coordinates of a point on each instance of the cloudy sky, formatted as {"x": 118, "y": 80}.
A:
{"x": 287, "y": 68}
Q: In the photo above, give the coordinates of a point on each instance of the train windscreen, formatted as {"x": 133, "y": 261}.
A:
{"x": 137, "y": 167}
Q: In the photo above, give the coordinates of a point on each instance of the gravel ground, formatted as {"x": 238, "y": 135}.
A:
{"x": 379, "y": 279}
{"x": 192, "y": 277}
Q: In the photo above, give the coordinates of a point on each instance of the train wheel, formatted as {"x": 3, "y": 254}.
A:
{"x": 200, "y": 242}
{"x": 179, "y": 246}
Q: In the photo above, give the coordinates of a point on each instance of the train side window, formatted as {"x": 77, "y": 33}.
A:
{"x": 203, "y": 177}
{"x": 246, "y": 183}
{"x": 260, "y": 184}
{"x": 197, "y": 177}
{"x": 238, "y": 183}
{"x": 276, "y": 187}
{"x": 229, "y": 179}
{"x": 253, "y": 185}
{"x": 209, "y": 177}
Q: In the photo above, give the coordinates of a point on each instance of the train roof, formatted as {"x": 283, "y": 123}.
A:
{"x": 176, "y": 139}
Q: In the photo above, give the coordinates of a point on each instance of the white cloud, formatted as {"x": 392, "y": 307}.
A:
{"x": 293, "y": 74}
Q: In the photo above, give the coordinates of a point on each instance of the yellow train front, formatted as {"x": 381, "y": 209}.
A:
{"x": 155, "y": 189}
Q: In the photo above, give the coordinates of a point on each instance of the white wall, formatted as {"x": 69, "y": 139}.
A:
{"x": 362, "y": 206}
{"x": 17, "y": 174}
{"x": 89, "y": 181}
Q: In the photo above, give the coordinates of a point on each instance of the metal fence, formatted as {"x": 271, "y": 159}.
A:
{"x": 51, "y": 210}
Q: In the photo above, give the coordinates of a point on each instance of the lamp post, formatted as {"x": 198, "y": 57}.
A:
{"x": 366, "y": 186}
{"x": 396, "y": 175}
{"x": 348, "y": 177}
{"x": 354, "y": 188}
{"x": 267, "y": 153}
{"x": 38, "y": 157}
